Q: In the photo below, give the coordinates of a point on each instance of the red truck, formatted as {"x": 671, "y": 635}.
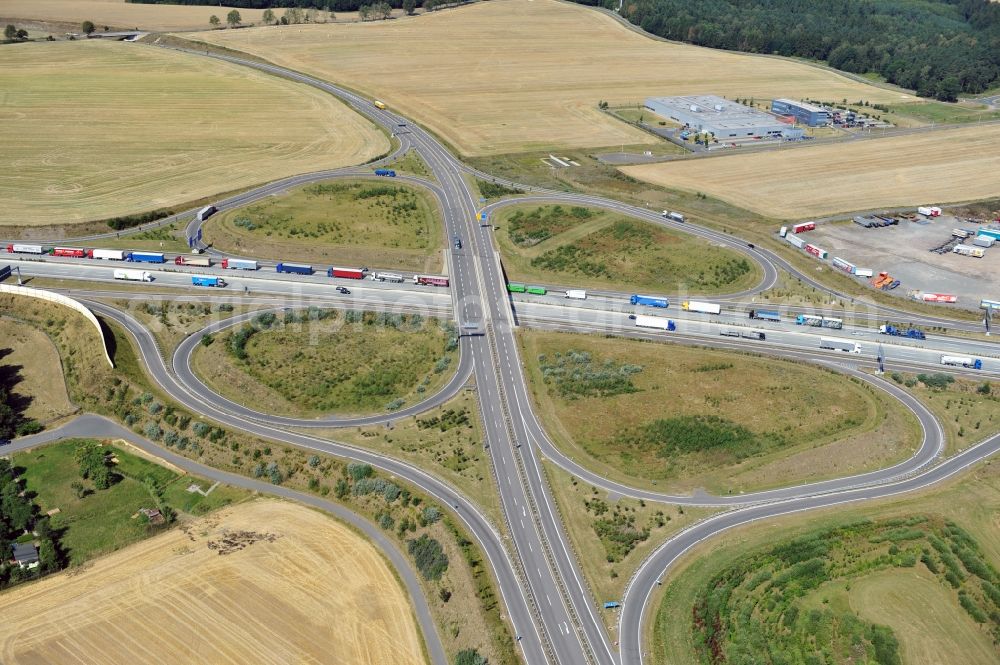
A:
{"x": 74, "y": 252}
{"x": 428, "y": 280}
{"x": 346, "y": 273}
{"x": 804, "y": 226}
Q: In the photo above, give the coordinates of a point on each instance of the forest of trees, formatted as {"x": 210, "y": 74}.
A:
{"x": 936, "y": 47}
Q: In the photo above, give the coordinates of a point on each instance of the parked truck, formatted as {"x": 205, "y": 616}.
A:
{"x": 239, "y": 264}
{"x": 576, "y": 294}
{"x": 816, "y": 251}
{"x": 675, "y": 216}
{"x": 73, "y": 252}
{"x": 385, "y": 173}
{"x": 984, "y": 241}
{"x": 753, "y": 334}
{"x": 795, "y": 241}
{"x": 134, "y": 275}
{"x": 18, "y": 248}
{"x": 969, "y": 250}
{"x": 205, "y": 213}
{"x": 207, "y": 280}
{"x": 147, "y": 257}
{"x": 864, "y": 272}
{"x": 294, "y": 268}
{"x": 845, "y": 345}
{"x": 929, "y": 211}
{"x": 391, "y": 277}
{"x": 962, "y": 361}
{"x": 702, "y": 307}
{"x": 430, "y": 280}
{"x": 346, "y": 273}
{"x": 765, "y": 315}
{"x": 841, "y": 264}
{"x": 200, "y": 261}
{"x": 938, "y": 297}
{"x": 802, "y": 227}
{"x": 108, "y": 254}
{"x": 910, "y": 333}
{"x": 658, "y": 322}
{"x": 649, "y": 301}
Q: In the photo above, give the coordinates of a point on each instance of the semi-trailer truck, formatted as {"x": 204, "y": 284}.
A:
{"x": 537, "y": 290}
{"x": 514, "y": 287}
{"x": 295, "y": 268}
{"x": 846, "y": 266}
{"x": 18, "y": 248}
{"x": 199, "y": 261}
{"x": 765, "y": 315}
{"x": 795, "y": 241}
{"x": 844, "y": 345}
{"x": 911, "y": 333}
{"x": 803, "y": 227}
{"x": 73, "y": 252}
{"x": 430, "y": 280}
{"x": 239, "y": 264}
{"x": 969, "y": 250}
{"x": 658, "y": 322}
{"x": 864, "y": 272}
{"x": 346, "y": 273}
{"x": 962, "y": 361}
{"x": 676, "y": 216}
{"x": 385, "y": 173}
{"x": 816, "y": 251}
{"x": 387, "y": 277}
{"x": 147, "y": 257}
{"x": 207, "y": 280}
{"x": 108, "y": 254}
{"x": 819, "y": 321}
{"x": 134, "y": 275}
{"x": 702, "y": 307}
{"x": 649, "y": 301}
{"x": 576, "y": 294}
{"x": 205, "y": 213}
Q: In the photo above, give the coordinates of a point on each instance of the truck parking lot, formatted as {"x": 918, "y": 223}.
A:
{"x": 905, "y": 251}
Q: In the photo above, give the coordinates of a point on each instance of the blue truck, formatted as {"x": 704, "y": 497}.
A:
{"x": 911, "y": 333}
{"x": 649, "y": 301}
{"x": 296, "y": 268}
{"x": 147, "y": 257}
{"x": 765, "y": 315}
{"x": 205, "y": 280}
{"x": 387, "y": 173}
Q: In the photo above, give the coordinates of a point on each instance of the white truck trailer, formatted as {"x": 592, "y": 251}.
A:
{"x": 134, "y": 275}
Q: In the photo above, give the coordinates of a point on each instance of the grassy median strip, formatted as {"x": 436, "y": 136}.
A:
{"x": 352, "y": 223}
{"x": 682, "y": 418}
{"x": 592, "y": 248}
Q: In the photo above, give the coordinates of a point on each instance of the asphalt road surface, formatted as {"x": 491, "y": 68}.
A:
{"x": 546, "y": 598}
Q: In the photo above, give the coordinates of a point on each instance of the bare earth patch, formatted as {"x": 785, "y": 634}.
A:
{"x": 311, "y": 587}
{"x": 519, "y": 75}
{"x": 935, "y": 166}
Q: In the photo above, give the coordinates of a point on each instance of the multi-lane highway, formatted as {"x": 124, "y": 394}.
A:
{"x": 541, "y": 585}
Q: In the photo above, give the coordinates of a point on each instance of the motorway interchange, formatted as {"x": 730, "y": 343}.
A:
{"x": 547, "y": 600}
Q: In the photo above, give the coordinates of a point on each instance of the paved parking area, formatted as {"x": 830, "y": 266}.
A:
{"x": 903, "y": 251}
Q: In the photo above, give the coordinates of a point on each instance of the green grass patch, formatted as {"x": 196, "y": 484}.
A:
{"x": 639, "y": 411}
{"x": 599, "y": 249}
{"x": 104, "y": 520}
{"x": 381, "y": 224}
{"x": 771, "y": 606}
{"x": 939, "y": 112}
{"x": 494, "y": 190}
{"x": 322, "y": 361}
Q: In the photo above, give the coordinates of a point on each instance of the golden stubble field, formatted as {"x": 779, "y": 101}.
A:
{"x": 121, "y": 14}
{"x": 317, "y": 592}
{"x": 99, "y": 129}
{"x": 518, "y": 75}
{"x": 940, "y": 166}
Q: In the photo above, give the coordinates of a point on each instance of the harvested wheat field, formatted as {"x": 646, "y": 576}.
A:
{"x": 120, "y": 14}
{"x": 517, "y": 75}
{"x": 99, "y": 129}
{"x": 930, "y": 167}
{"x": 308, "y": 590}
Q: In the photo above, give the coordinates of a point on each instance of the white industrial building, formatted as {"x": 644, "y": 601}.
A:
{"x": 725, "y": 119}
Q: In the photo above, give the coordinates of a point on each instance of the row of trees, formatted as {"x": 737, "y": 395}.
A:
{"x": 323, "y": 5}
{"x": 19, "y": 515}
{"x": 938, "y": 48}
